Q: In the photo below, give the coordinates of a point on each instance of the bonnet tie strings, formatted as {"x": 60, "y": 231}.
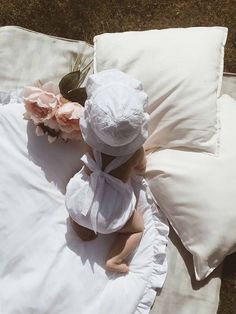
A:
{"x": 95, "y": 190}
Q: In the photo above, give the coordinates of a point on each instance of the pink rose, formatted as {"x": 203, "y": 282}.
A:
{"x": 41, "y": 103}
{"x": 68, "y": 116}
{"x": 74, "y": 135}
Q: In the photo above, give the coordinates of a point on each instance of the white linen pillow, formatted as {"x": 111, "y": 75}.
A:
{"x": 30, "y": 56}
{"x": 181, "y": 70}
{"x": 196, "y": 191}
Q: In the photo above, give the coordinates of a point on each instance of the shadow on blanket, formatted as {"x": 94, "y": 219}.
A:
{"x": 80, "y": 247}
{"x": 59, "y": 161}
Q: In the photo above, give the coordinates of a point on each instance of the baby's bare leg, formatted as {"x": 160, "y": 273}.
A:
{"x": 127, "y": 240}
{"x": 85, "y": 234}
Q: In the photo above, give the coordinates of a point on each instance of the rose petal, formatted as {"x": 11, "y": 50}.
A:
{"x": 51, "y": 139}
{"x": 47, "y": 101}
{"x": 75, "y": 135}
{"x": 52, "y": 124}
{"x": 71, "y": 110}
{"x": 26, "y": 116}
{"x": 51, "y": 88}
{"x": 66, "y": 128}
{"x": 31, "y": 91}
{"x": 66, "y": 109}
{"x": 39, "y": 131}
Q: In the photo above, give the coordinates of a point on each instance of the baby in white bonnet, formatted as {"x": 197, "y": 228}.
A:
{"x": 100, "y": 197}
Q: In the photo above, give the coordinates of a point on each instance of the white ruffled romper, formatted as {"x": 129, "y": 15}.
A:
{"x": 100, "y": 201}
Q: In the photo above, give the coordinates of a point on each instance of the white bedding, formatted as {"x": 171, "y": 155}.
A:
{"x": 187, "y": 294}
{"x": 45, "y": 267}
{"x": 190, "y": 296}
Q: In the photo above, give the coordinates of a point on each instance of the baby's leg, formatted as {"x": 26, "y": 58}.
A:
{"x": 127, "y": 240}
{"x": 85, "y": 234}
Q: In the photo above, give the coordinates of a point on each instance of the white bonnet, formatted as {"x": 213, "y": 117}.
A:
{"x": 114, "y": 120}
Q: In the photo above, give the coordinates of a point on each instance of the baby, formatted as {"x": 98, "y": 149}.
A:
{"x": 100, "y": 197}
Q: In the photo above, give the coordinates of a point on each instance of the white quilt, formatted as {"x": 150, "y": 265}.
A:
{"x": 46, "y": 57}
{"x": 45, "y": 267}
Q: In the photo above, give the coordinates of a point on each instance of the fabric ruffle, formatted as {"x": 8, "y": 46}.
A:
{"x": 11, "y": 97}
{"x": 156, "y": 280}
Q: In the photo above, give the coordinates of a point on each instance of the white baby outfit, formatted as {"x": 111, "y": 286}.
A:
{"x": 115, "y": 122}
{"x": 100, "y": 201}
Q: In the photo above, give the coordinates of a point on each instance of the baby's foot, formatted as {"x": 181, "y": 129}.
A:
{"x": 116, "y": 266}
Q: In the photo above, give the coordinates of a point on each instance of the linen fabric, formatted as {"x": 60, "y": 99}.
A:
{"x": 181, "y": 70}
{"x": 197, "y": 193}
{"x": 29, "y": 57}
{"x": 191, "y": 296}
{"x": 229, "y": 85}
{"x": 44, "y": 266}
{"x": 187, "y": 294}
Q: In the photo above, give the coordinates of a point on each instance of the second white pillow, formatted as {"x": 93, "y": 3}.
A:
{"x": 197, "y": 193}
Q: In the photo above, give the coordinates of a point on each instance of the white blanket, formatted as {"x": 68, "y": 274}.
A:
{"x": 45, "y": 267}
{"x": 46, "y": 57}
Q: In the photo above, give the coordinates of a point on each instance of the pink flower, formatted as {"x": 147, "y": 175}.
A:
{"x": 67, "y": 116}
{"x": 53, "y": 114}
{"x": 74, "y": 135}
{"x": 41, "y": 103}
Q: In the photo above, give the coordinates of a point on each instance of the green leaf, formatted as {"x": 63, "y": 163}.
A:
{"x": 77, "y": 95}
{"x": 69, "y": 82}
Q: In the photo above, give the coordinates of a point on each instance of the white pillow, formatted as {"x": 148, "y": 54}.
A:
{"x": 181, "y": 70}
{"x": 28, "y": 56}
{"x": 197, "y": 193}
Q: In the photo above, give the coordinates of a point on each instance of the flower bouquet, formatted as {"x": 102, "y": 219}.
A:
{"x": 56, "y": 110}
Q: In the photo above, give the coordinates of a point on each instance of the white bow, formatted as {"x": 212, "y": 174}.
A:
{"x": 96, "y": 187}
